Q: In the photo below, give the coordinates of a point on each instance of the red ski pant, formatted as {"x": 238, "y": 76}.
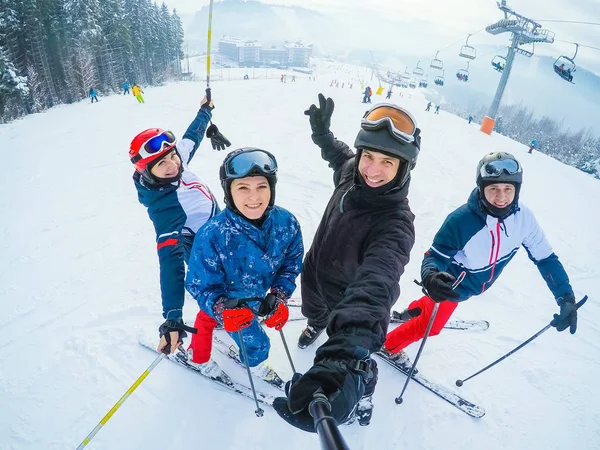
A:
{"x": 202, "y": 341}
{"x": 415, "y": 328}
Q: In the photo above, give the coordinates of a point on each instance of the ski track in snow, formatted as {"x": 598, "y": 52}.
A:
{"x": 79, "y": 283}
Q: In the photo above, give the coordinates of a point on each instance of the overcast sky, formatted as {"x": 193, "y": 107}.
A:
{"x": 454, "y": 20}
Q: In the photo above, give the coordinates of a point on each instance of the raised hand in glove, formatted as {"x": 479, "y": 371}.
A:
{"x": 320, "y": 118}
{"x": 217, "y": 140}
{"x": 438, "y": 286}
{"x": 275, "y": 310}
{"x": 567, "y": 318}
{"x": 171, "y": 334}
{"x": 341, "y": 381}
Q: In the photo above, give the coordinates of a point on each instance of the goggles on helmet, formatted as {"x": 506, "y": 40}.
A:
{"x": 498, "y": 167}
{"x": 245, "y": 163}
{"x": 399, "y": 122}
{"x": 156, "y": 144}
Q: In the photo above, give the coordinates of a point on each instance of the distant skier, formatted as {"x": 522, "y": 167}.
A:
{"x": 389, "y": 94}
{"x": 437, "y": 109}
{"x": 253, "y": 247}
{"x": 293, "y": 78}
{"x": 366, "y": 94}
{"x": 178, "y": 203}
{"x": 126, "y": 88}
{"x": 93, "y": 95}
{"x": 281, "y": 79}
{"x": 428, "y": 106}
{"x": 470, "y": 119}
{"x": 137, "y": 92}
{"x": 532, "y": 146}
{"x": 480, "y": 238}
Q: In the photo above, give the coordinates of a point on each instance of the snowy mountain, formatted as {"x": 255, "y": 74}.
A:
{"x": 79, "y": 284}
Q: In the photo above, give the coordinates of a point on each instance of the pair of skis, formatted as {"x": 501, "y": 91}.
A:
{"x": 182, "y": 358}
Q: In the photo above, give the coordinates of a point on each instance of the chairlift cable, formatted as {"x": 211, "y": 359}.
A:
{"x": 461, "y": 40}
{"x": 570, "y": 21}
{"x": 575, "y": 43}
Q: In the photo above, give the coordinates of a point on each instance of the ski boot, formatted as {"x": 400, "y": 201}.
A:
{"x": 309, "y": 335}
{"x": 400, "y": 359}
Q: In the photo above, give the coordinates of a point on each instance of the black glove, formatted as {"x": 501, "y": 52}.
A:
{"x": 438, "y": 286}
{"x": 176, "y": 326}
{"x": 342, "y": 382}
{"x": 320, "y": 118}
{"x": 218, "y": 141}
{"x": 568, "y": 315}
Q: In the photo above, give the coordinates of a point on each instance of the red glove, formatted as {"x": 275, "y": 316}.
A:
{"x": 278, "y": 318}
{"x": 236, "y": 319}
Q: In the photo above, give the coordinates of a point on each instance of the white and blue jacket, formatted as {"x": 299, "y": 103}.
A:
{"x": 177, "y": 212}
{"x": 234, "y": 259}
{"x": 481, "y": 245}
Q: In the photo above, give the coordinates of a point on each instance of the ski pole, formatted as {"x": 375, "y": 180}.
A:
{"x": 259, "y": 412}
{"x": 125, "y": 396}
{"x": 325, "y": 425}
{"x": 459, "y": 383}
{"x": 232, "y": 303}
{"x": 412, "y": 368}
{"x": 429, "y": 325}
{"x": 287, "y": 351}
{"x": 210, "y": 11}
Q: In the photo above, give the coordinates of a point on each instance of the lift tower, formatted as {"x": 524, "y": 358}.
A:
{"x": 524, "y": 31}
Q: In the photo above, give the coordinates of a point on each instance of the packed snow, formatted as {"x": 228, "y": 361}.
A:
{"x": 79, "y": 283}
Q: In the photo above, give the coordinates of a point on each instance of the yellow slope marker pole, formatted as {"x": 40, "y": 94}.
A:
{"x": 108, "y": 415}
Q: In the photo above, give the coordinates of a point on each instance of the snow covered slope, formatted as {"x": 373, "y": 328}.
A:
{"x": 79, "y": 284}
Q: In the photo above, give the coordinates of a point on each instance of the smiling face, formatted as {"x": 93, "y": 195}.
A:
{"x": 251, "y": 196}
{"x": 377, "y": 169}
{"x": 168, "y": 166}
{"x": 499, "y": 195}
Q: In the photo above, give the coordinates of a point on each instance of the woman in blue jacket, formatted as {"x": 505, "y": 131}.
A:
{"x": 480, "y": 238}
{"x": 253, "y": 249}
{"x": 178, "y": 203}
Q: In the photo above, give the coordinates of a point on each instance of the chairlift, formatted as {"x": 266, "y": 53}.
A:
{"x": 423, "y": 82}
{"x": 463, "y": 74}
{"x": 498, "y": 63}
{"x": 418, "y": 71}
{"x": 439, "y": 79}
{"x": 565, "y": 66}
{"x": 467, "y": 51}
{"x": 436, "y": 63}
{"x": 412, "y": 84}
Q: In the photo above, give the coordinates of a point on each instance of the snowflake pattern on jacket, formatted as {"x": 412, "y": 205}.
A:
{"x": 233, "y": 258}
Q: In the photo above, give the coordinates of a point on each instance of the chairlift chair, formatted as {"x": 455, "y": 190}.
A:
{"x": 565, "y": 66}
{"x": 436, "y": 63}
{"x": 467, "y": 51}
{"x": 463, "y": 74}
{"x": 439, "y": 79}
{"x": 418, "y": 71}
{"x": 498, "y": 63}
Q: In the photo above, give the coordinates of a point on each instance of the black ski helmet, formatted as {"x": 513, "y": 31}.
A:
{"x": 499, "y": 167}
{"x": 382, "y": 140}
{"x": 247, "y": 162}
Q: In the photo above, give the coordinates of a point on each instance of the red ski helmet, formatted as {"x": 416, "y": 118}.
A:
{"x": 150, "y": 145}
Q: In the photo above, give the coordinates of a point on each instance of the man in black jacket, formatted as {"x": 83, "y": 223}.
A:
{"x": 351, "y": 272}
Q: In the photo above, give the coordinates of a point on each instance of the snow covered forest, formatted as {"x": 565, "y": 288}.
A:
{"x": 54, "y": 51}
{"x": 578, "y": 148}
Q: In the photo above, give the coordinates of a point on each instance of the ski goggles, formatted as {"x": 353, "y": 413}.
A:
{"x": 246, "y": 162}
{"x": 399, "y": 122}
{"x": 497, "y": 168}
{"x": 158, "y": 144}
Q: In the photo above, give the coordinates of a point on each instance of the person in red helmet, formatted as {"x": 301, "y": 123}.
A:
{"x": 178, "y": 203}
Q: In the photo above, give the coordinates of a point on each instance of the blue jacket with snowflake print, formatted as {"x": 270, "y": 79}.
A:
{"x": 481, "y": 246}
{"x": 177, "y": 212}
{"x": 234, "y": 259}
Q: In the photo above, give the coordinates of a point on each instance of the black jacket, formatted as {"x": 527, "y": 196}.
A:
{"x": 358, "y": 254}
